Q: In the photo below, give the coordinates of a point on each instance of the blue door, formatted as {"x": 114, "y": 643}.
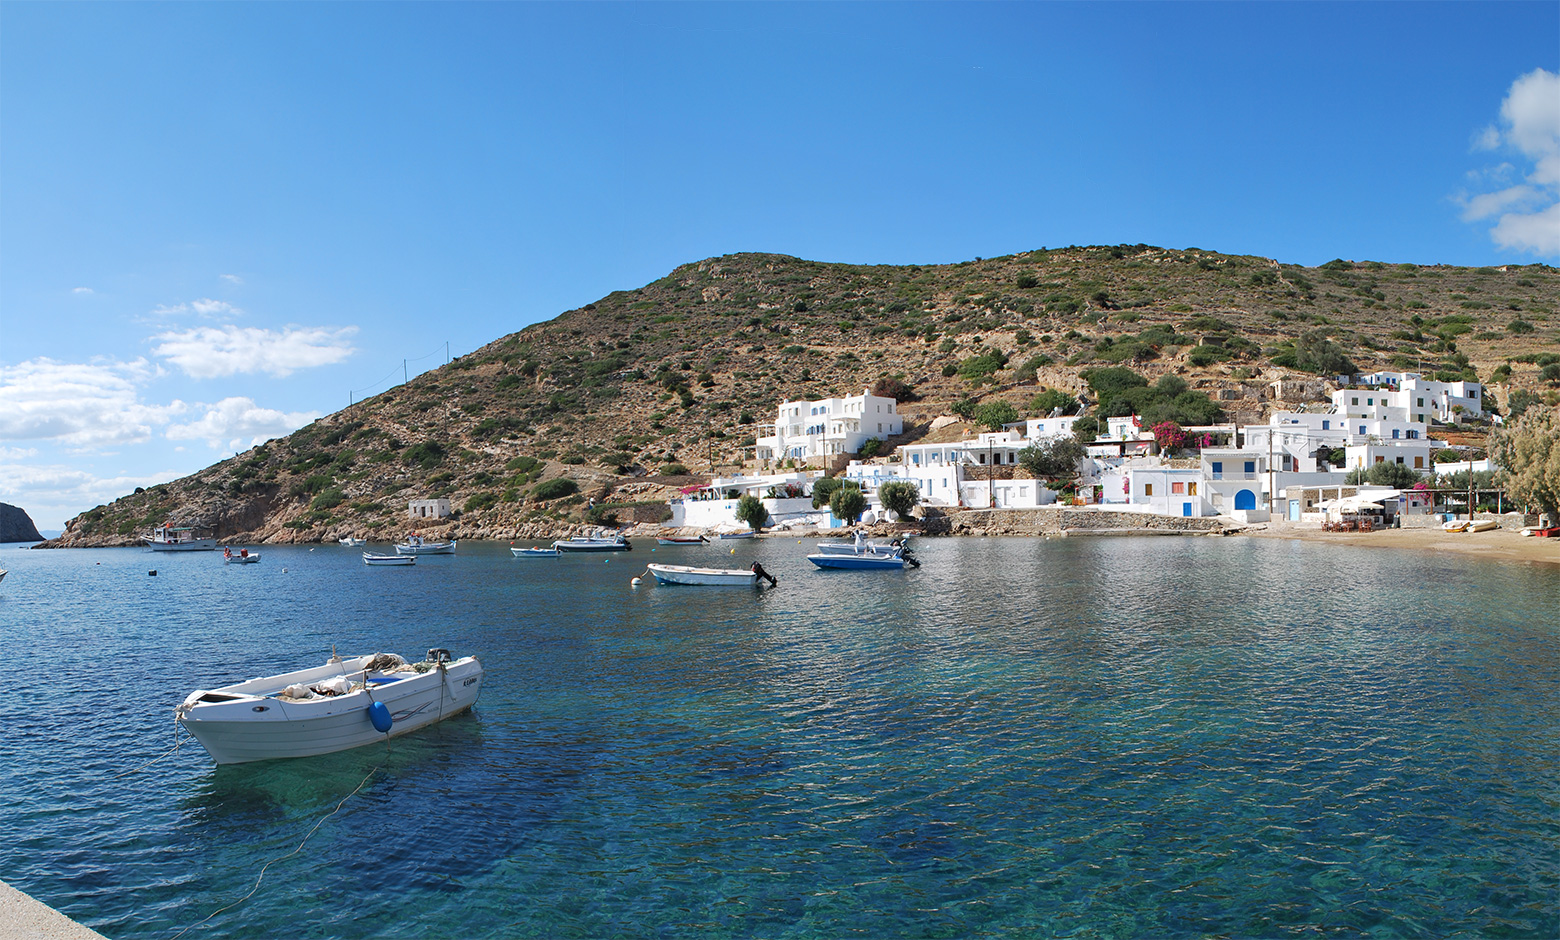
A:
{"x": 1245, "y": 499}
{"x": 1186, "y": 509}
{"x": 1294, "y": 510}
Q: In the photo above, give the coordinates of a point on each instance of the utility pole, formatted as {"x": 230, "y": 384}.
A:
{"x": 404, "y": 375}
{"x": 991, "y": 473}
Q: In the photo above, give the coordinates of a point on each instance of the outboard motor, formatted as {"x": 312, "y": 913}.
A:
{"x": 438, "y": 655}
{"x": 909, "y": 557}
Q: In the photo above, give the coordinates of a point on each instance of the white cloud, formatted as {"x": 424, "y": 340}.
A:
{"x": 85, "y": 406}
{"x": 215, "y": 352}
{"x": 1538, "y": 232}
{"x": 236, "y": 419}
{"x": 53, "y": 493}
{"x": 205, "y": 307}
{"x": 231, "y": 278}
{"x": 1530, "y": 125}
{"x": 81, "y": 290}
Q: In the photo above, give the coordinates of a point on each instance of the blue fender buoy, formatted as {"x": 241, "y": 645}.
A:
{"x": 380, "y": 716}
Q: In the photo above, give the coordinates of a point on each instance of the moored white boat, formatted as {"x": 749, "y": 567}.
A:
{"x": 687, "y": 574}
{"x": 369, "y": 558}
{"x": 534, "y": 552}
{"x": 170, "y": 538}
{"x": 860, "y": 546}
{"x": 417, "y": 545}
{"x": 582, "y": 543}
{"x": 343, "y": 704}
{"x": 681, "y": 540}
{"x": 2, "y": 574}
{"x": 738, "y": 535}
{"x": 243, "y": 557}
{"x": 865, "y": 561}
{"x": 351, "y": 542}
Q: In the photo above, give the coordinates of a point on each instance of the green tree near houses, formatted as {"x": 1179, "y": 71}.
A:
{"x": 848, "y": 503}
{"x": 900, "y": 497}
{"x": 823, "y": 490}
{"x": 750, "y": 509}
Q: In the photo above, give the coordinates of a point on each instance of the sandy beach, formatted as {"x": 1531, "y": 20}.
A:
{"x": 1497, "y": 544}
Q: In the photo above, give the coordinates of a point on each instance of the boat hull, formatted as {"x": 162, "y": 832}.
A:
{"x": 534, "y": 552}
{"x": 737, "y": 535}
{"x": 593, "y": 545}
{"x": 682, "y": 541}
{"x": 389, "y": 561}
{"x": 251, "y": 727}
{"x": 428, "y": 548}
{"x": 713, "y": 577}
{"x": 241, "y": 559}
{"x": 863, "y": 562}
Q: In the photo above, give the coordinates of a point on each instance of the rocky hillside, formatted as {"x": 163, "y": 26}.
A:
{"x": 644, "y": 390}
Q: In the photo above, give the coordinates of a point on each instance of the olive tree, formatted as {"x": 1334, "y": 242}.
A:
{"x": 899, "y": 496}
{"x": 750, "y": 509}
{"x": 1528, "y": 451}
{"x": 1053, "y": 457}
{"x": 848, "y": 503}
{"x": 823, "y": 488}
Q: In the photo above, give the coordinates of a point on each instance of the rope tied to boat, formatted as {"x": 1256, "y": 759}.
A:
{"x": 295, "y": 851}
{"x": 165, "y": 754}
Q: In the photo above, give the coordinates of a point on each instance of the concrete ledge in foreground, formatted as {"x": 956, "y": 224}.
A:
{"x": 23, "y": 918}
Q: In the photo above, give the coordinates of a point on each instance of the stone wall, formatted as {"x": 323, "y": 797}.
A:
{"x": 1079, "y": 520}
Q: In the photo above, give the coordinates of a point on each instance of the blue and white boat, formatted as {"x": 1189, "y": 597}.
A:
{"x": 417, "y": 545}
{"x": 581, "y": 543}
{"x": 534, "y": 552}
{"x": 872, "y": 561}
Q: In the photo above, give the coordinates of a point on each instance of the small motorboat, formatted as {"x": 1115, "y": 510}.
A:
{"x": 417, "y": 545}
{"x": 686, "y": 574}
{"x": 1482, "y": 525}
{"x": 582, "y": 543}
{"x": 343, "y": 704}
{"x": 534, "y": 552}
{"x": 681, "y": 540}
{"x": 242, "y": 557}
{"x": 860, "y": 546}
{"x": 738, "y": 535}
{"x": 369, "y": 558}
{"x": 872, "y": 561}
{"x": 351, "y": 542}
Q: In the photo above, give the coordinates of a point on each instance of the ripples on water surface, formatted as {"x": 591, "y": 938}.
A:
{"x": 1086, "y": 737}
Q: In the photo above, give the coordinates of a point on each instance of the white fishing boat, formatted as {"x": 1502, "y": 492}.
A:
{"x": 242, "y": 557}
{"x": 343, "y": 704}
{"x": 681, "y": 540}
{"x": 351, "y": 542}
{"x": 369, "y": 558}
{"x": 171, "y": 538}
{"x": 582, "y": 543}
{"x": 738, "y": 535}
{"x": 417, "y": 545}
{"x": 534, "y": 552}
{"x": 686, "y": 574}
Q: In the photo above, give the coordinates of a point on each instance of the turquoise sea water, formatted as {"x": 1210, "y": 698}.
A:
{"x": 1080, "y": 738}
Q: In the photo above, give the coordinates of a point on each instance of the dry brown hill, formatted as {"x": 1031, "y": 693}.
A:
{"x": 631, "y": 395}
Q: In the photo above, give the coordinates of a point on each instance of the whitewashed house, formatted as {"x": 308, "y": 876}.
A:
{"x": 428, "y": 508}
{"x": 1158, "y": 487}
{"x": 787, "y": 496}
{"x": 1410, "y": 397}
{"x": 828, "y": 427}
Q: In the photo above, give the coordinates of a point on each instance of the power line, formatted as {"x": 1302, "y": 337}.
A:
{"x": 405, "y": 373}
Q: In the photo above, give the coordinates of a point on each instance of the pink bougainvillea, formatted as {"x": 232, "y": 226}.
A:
{"x": 1168, "y": 434}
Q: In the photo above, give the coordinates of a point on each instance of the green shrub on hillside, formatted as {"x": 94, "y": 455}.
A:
{"x": 556, "y": 488}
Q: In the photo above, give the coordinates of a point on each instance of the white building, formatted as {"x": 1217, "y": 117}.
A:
{"x": 787, "y": 496}
{"x": 806, "y": 430}
{"x": 1151, "y": 485}
{"x": 1410, "y": 397}
{"x": 428, "y": 508}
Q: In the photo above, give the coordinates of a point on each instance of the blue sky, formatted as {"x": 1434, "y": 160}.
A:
{"x": 217, "y": 221}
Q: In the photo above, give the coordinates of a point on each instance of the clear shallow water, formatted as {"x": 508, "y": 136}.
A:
{"x": 1082, "y": 738}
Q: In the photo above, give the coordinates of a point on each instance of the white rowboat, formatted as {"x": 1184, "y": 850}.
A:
{"x": 686, "y": 574}
{"x": 244, "y": 557}
{"x": 351, "y": 542}
{"x": 371, "y": 559}
{"x": 416, "y": 546}
{"x": 343, "y": 704}
{"x": 534, "y": 552}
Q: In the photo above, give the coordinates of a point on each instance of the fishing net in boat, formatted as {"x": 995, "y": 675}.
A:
{"x": 385, "y": 662}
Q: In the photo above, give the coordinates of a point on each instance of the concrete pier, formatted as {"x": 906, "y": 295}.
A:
{"x": 24, "y": 918}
